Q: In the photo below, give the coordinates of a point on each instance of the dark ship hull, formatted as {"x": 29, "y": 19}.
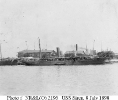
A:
{"x": 47, "y": 63}
{"x": 94, "y": 61}
{"x": 8, "y": 62}
{"x": 63, "y": 61}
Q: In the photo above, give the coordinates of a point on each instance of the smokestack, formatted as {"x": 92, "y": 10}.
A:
{"x": 58, "y": 52}
{"x": 76, "y": 47}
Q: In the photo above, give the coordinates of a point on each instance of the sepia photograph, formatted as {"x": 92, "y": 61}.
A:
{"x": 58, "y": 47}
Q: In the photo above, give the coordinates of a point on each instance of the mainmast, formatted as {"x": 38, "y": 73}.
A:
{"x": 39, "y": 49}
{"x": 0, "y": 51}
{"x": 93, "y": 44}
{"x": 101, "y": 46}
{"x": 86, "y": 48}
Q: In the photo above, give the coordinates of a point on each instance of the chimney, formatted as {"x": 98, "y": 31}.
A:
{"x": 76, "y": 47}
{"x": 58, "y": 52}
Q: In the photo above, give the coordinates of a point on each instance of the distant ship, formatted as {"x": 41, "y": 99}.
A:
{"x": 8, "y": 62}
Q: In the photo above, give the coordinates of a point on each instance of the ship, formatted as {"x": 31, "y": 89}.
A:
{"x": 64, "y": 60}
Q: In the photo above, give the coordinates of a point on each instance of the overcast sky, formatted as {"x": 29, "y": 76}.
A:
{"x": 58, "y": 23}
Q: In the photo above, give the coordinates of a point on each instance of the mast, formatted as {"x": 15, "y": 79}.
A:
{"x": 34, "y": 45}
{"x": 39, "y": 49}
{"x": 0, "y": 51}
{"x": 26, "y": 49}
{"x": 93, "y": 44}
{"x": 86, "y": 47}
{"x": 101, "y": 46}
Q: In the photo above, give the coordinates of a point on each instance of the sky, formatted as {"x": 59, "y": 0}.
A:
{"x": 58, "y": 23}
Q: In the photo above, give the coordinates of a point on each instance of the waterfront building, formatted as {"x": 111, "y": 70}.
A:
{"x": 92, "y": 52}
{"x": 36, "y": 53}
{"x": 74, "y": 53}
{"x": 79, "y": 52}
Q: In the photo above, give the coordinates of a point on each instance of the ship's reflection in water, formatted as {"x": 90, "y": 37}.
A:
{"x": 59, "y": 80}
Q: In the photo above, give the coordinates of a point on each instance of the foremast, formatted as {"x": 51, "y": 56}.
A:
{"x": 39, "y": 50}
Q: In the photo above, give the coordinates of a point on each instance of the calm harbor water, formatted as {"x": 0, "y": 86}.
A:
{"x": 59, "y": 80}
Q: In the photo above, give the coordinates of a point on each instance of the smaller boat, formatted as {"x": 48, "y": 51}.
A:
{"x": 113, "y": 60}
{"x": 8, "y": 61}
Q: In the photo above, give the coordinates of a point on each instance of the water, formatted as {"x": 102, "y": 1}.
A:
{"x": 59, "y": 80}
